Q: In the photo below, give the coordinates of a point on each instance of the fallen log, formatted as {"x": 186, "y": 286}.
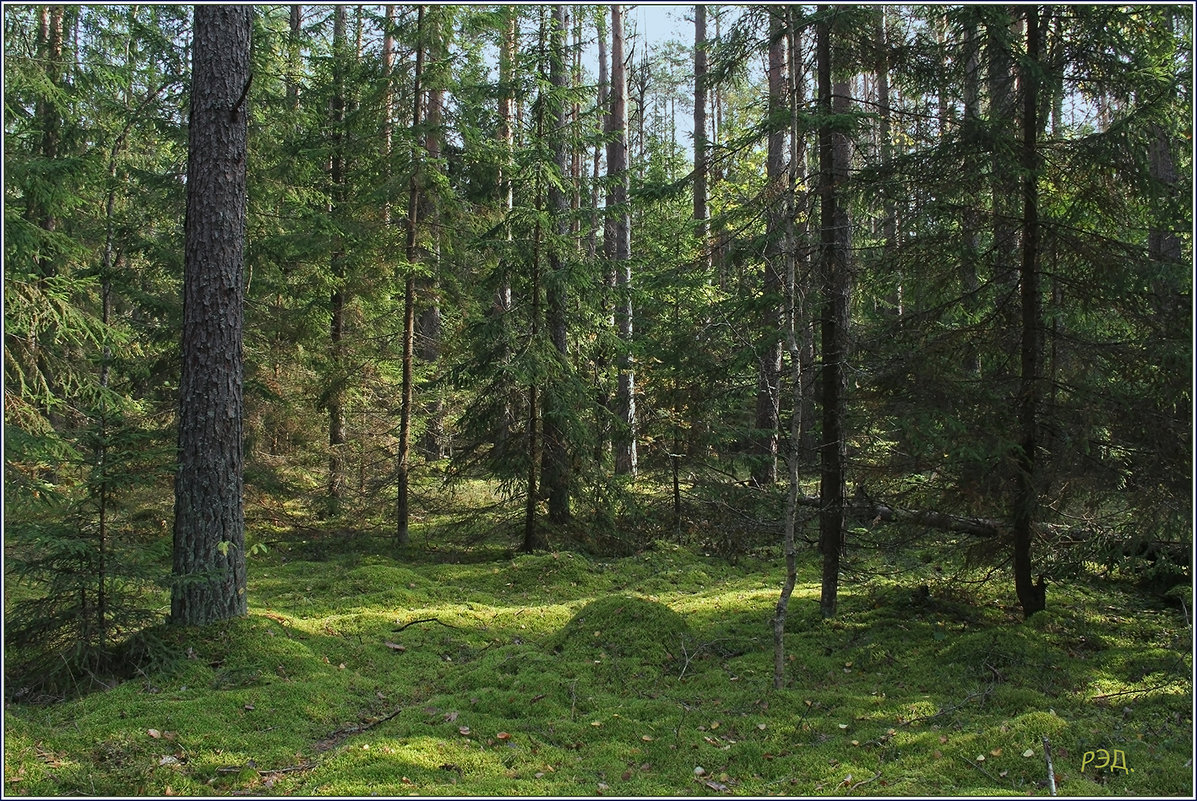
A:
{"x": 863, "y": 508}
{"x": 867, "y": 510}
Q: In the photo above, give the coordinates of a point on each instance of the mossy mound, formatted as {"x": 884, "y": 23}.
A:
{"x": 531, "y": 572}
{"x": 622, "y": 627}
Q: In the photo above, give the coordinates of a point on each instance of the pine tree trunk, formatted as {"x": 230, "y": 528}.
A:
{"x": 338, "y": 375}
{"x": 209, "y": 528}
{"x": 617, "y": 172}
{"x": 602, "y": 358}
{"x": 1002, "y": 102}
{"x": 833, "y": 170}
{"x": 501, "y": 304}
{"x": 403, "y": 512}
{"x": 970, "y": 224}
{"x": 1031, "y": 596}
{"x": 293, "y": 58}
{"x": 428, "y": 329}
{"x": 768, "y": 394}
{"x": 889, "y": 216}
{"x": 702, "y": 212}
{"x": 800, "y": 289}
{"x": 555, "y": 470}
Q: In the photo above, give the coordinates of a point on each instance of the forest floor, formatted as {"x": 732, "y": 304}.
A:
{"x": 463, "y": 670}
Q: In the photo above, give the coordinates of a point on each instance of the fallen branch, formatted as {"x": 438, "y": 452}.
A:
{"x": 949, "y": 709}
{"x": 977, "y": 765}
{"x": 863, "y": 508}
{"x": 426, "y": 620}
{"x": 289, "y": 769}
{"x": 876, "y": 776}
{"x": 1130, "y": 692}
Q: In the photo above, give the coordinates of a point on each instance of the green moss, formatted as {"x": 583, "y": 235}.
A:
{"x": 621, "y": 677}
{"x": 622, "y": 627}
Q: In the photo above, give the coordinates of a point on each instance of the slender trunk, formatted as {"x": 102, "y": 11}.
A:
{"x": 1031, "y": 596}
{"x": 428, "y": 327}
{"x": 617, "y": 174}
{"x": 1004, "y": 170}
{"x": 38, "y": 211}
{"x": 602, "y": 359}
{"x": 209, "y": 529}
{"x": 388, "y": 102}
{"x": 555, "y": 471}
{"x": 402, "y": 534}
{"x": 889, "y": 217}
{"x": 768, "y": 394}
{"x": 702, "y": 213}
{"x": 833, "y": 170}
{"x": 717, "y": 235}
{"x": 970, "y": 222}
{"x": 801, "y": 287}
{"x": 795, "y": 323}
{"x": 293, "y": 57}
{"x": 532, "y": 537}
{"x": 502, "y": 300}
{"x": 337, "y": 194}
{"x": 793, "y": 460}
{"x": 537, "y": 419}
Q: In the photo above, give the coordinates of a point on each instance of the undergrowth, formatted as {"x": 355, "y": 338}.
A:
{"x": 460, "y": 670}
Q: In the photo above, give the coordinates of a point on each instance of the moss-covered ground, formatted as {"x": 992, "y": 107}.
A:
{"x": 471, "y": 672}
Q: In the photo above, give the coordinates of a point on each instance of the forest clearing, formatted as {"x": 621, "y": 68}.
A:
{"x": 511, "y": 400}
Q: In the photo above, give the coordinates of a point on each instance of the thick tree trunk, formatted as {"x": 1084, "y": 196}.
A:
{"x": 555, "y": 470}
{"x": 403, "y": 512}
{"x": 1026, "y": 494}
{"x": 621, "y": 251}
{"x": 208, "y": 581}
{"x": 768, "y": 394}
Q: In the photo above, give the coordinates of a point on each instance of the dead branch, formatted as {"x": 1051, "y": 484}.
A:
{"x": 426, "y": 620}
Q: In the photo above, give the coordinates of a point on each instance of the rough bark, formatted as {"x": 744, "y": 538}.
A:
{"x": 833, "y": 326}
{"x": 209, "y": 527}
